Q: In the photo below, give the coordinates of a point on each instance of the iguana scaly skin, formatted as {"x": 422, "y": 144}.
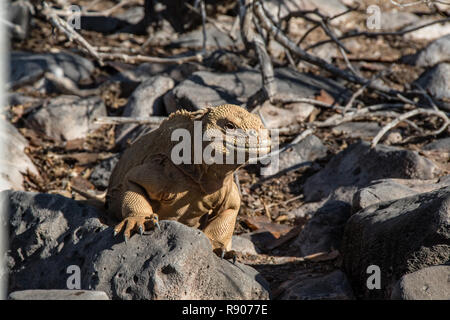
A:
{"x": 146, "y": 185}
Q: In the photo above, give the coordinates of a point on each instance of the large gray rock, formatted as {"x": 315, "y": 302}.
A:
{"x": 442, "y": 145}
{"x": 436, "y": 81}
{"x": 358, "y": 165}
{"x": 244, "y": 245}
{"x": 30, "y": 65}
{"x": 68, "y": 117}
{"x": 431, "y": 32}
{"x": 396, "y": 19}
{"x": 145, "y": 101}
{"x": 290, "y": 114}
{"x": 392, "y": 189}
{"x": 58, "y": 295}
{"x": 436, "y": 52}
{"x": 332, "y": 286}
{"x": 432, "y": 283}
{"x": 304, "y": 153}
{"x": 49, "y": 233}
{"x": 215, "y": 39}
{"x": 205, "y": 88}
{"x": 324, "y": 231}
{"x": 14, "y": 161}
{"x": 399, "y": 237}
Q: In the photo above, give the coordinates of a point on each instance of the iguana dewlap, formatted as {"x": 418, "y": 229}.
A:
{"x": 146, "y": 184}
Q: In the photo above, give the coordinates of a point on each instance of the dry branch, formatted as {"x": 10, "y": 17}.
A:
{"x": 62, "y": 25}
{"x": 410, "y": 114}
{"x": 256, "y": 42}
{"x": 152, "y": 121}
{"x": 140, "y": 58}
{"x": 378, "y": 34}
{"x": 289, "y": 44}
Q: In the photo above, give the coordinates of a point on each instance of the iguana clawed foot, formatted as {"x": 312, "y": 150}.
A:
{"x": 229, "y": 255}
{"x": 136, "y": 224}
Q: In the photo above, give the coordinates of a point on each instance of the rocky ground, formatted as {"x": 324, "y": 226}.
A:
{"x": 338, "y": 205}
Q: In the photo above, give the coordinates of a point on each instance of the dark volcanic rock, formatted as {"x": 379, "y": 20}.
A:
{"x": 25, "y": 65}
{"x": 436, "y": 52}
{"x": 332, "y": 286}
{"x": 392, "y": 189}
{"x": 49, "y": 233}
{"x": 436, "y": 81}
{"x": 324, "y": 231}
{"x": 399, "y": 237}
{"x": 358, "y": 165}
{"x": 101, "y": 172}
{"x": 442, "y": 145}
{"x": 145, "y": 101}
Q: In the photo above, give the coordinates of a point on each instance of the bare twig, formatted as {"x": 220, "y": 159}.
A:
{"x": 410, "y": 114}
{"x": 349, "y": 117}
{"x": 62, "y": 25}
{"x": 360, "y": 91}
{"x": 140, "y": 58}
{"x": 378, "y": 34}
{"x": 255, "y": 41}
{"x": 427, "y": 96}
{"x": 290, "y": 15}
{"x": 289, "y": 44}
{"x": 212, "y": 21}
{"x": 291, "y": 98}
{"x": 152, "y": 121}
{"x": 16, "y": 28}
{"x": 203, "y": 13}
{"x": 67, "y": 86}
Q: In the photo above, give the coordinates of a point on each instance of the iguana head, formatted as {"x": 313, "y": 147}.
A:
{"x": 215, "y": 134}
{"x": 232, "y": 129}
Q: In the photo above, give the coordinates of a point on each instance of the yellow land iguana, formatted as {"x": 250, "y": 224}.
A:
{"x": 146, "y": 185}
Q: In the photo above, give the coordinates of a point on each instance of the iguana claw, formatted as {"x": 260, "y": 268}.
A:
{"x": 223, "y": 254}
{"x": 157, "y": 225}
{"x": 136, "y": 224}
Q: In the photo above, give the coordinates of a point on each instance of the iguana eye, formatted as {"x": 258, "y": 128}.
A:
{"x": 230, "y": 125}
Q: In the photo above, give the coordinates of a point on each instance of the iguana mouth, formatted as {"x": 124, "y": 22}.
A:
{"x": 261, "y": 148}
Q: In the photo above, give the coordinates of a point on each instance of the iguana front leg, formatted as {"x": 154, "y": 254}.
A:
{"x": 136, "y": 211}
{"x": 220, "y": 230}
